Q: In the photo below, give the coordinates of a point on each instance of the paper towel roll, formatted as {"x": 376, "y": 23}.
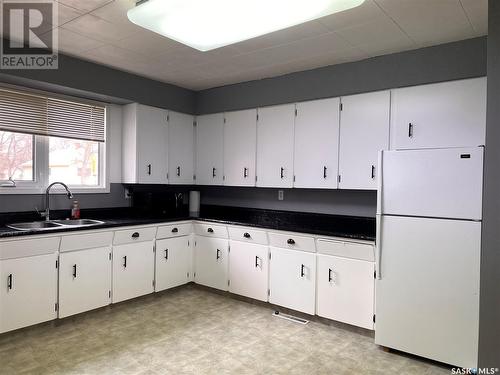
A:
{"x": 194, "y": 203}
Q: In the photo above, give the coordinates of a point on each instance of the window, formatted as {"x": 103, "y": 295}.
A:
{"x": 43, "y": 140}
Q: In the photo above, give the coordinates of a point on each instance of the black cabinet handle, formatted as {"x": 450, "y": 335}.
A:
{"x": 290, "y": 241}
{"x": 302, "y": 270}
{"x": 213, "y": 172}
{"x": 178, "y": 171}
{"x": 149, "y": 169}
{"x": 166, "y": 254}
{"x": 282, "y": 173}
{"x": 175, "y": 230}
{"x": 135, "y": 235}
{"x": 10, "y": 279}
{"x": 257, "y": 261}
{"x": 245, "y": 172}
{"x": 324, "y": 171}
{"x": 218, "y": 254}
{"x": 74, "y": 271}
{"x": 210, "y": 230}
{"x": 410, "y": 130}
{"x": 373, "y": 172}
{"x": 125, "y": 261}
{"x": 246, "y": 235}
{"x": 330, "y": 278}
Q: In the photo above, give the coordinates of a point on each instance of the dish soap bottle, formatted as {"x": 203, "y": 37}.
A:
{"x": 75, "y": 211}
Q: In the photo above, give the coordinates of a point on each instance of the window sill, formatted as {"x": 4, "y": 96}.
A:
{"x": 19, "y": 190}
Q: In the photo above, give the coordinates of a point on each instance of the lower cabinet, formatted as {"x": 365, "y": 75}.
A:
{"x": 346, "y": 290}
{"x": 133, "y": 270}
{"x": 173, "y": 262}
{"x": 249, "y": 270}
{"x": 28, "y": 291}
{"x": 84, "y": 280}
{"x": 211, "y": 262}
{"x": 292, "y": 279}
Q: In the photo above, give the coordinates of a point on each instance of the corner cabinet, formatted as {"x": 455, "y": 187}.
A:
{"x": 364, "y": 131}
{"x": 180, "y": 148}
{"x": 210, "y": 149}
{"x": 145, "y": 140}
{"x": 173, "y": 262}
{"x": 240, "y": 142}
{"x": 211, "y": 262}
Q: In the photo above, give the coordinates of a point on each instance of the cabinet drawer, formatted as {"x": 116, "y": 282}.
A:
{"x": 207, "y": 229}
{"x": 248, "y": 235}
{"x": 174, "y": 230}
{"x": 86, "y": 241}
{"x": 31, "y": 247}
{"x": 134, "y": 235}
{"x": 292, "y": 241}
{"x": 343, "y": 249}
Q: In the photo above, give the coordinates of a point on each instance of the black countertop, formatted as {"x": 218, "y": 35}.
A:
{"x": 360, "y": 228}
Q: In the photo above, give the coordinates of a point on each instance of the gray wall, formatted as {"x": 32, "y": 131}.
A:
{"x": 28, "y": 202}
{"x": 489, "y": 332}
{"x": 464, "y": 59}
{"x": 337, "y": 202}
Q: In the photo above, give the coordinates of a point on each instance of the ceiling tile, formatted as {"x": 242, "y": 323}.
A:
{"x": 66, "y": 14}
{"x": 110, "y": 53}
{"x": 115, "y": 11}
{"x": 364, "y": 13}
{"x": 148, "y": 43}
{"x": 477, "y": 12}
{"x": 71, "y": 42}
{"x": 84, "y": 5}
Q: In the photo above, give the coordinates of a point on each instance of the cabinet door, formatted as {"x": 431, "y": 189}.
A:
{"x": 275, "y": 140}
{"x": 240, "y": 137}
{"x": 28, "y": 291}
{"x": 292, "y": 279}
{"x": 249, "y": 270}
{"x": 211, "y": 262}
{"x": 210, "y": 149}
{"x": 133, "y": 270}
{"x": 180, "y": 148}
{"x": 172, "y": 262}
{"x": 152, "y": 141}
{"x": 364, "y": 131}
{"x": 346, "y": 290}
{"x": 449, "y": 114}
{"x": 84, "y": 280}
{"x": 316, "y": 144}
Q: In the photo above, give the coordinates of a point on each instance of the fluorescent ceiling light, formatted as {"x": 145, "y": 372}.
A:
{"x": 210, "y": 24}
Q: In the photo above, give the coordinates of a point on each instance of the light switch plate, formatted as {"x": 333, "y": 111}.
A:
{"x": 280, "y": 195}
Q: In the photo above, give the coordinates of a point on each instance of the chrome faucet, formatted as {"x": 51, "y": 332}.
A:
{"x": 46, "y": 214}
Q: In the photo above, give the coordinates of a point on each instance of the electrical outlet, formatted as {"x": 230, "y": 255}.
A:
{"x": 280, "y": 195}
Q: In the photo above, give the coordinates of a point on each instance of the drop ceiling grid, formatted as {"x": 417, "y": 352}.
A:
{"x": 99, "y": 31}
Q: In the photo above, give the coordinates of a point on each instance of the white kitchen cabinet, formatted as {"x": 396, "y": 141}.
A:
{"x": 180, "y": 148}
{"x": 28, "y": 291}
{"x": 133, "y": 270}
{"x": 172, "y": 262}
{"x": 210, "y": 149}
{"x": 448, "y": 114}
{"x": 292, "y": 279}
{"x": 346, "y": 290}
{"x": 316, "y": 144}
{"x": 275, "y": 142}
{"x": 364, "y": 131}
{"x": 249, "y": 270}
{"x": 240, "y": 139}
{"x": 145, "y": 140}
{"x": 211, "y": 262}
{"x": 84, "y": 280}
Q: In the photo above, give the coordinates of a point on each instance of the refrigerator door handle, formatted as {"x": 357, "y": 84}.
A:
{"x": 378, "y": 248}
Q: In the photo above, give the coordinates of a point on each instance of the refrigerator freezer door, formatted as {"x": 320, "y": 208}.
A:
{"x": 441, "y": 183}
{"x": 427, "y": 300}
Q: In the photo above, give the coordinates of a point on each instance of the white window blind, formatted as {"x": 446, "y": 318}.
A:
{"x": 35, "y": 114}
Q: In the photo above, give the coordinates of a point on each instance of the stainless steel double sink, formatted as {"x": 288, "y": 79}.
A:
{"x": 54, "y": 224}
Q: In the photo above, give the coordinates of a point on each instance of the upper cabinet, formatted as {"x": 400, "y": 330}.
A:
{"x": 145, "y": 139}
{"x": 449, "y": 114}
{"x": 210, "y": 149}
{"x": 364, "y": 131}
{"x": 240, "y": 137}
{"x": 316, "y": 144}
{"x": 275, "y": 142}
{"x": 180, "y": 148}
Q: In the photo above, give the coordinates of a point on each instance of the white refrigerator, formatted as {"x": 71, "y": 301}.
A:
{"x": 428, "y": 253}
